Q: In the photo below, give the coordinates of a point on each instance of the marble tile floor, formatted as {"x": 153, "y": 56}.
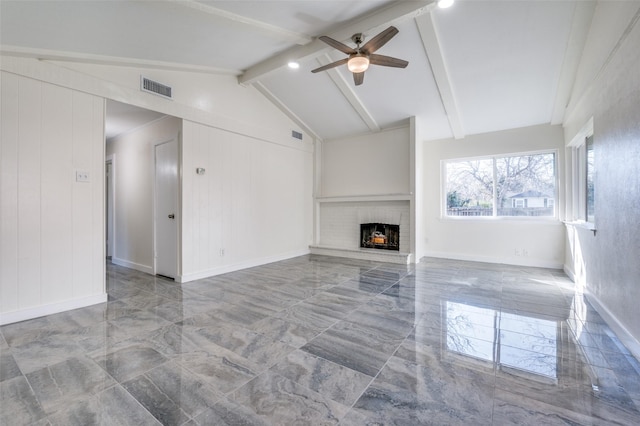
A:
{"x": 318, "y": 341}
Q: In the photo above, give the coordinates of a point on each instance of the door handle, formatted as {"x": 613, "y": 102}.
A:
{"x": 172, "y": 216}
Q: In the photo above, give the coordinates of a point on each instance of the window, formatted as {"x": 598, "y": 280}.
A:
{"x": 583, "y": 176}
{"x": 590, "y": 172}
{"x": 506, "y": 186}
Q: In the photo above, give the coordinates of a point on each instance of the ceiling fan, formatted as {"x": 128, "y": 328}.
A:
{"x": 361, "y": 57}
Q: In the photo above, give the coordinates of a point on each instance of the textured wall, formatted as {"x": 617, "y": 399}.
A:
{"x": 611, "y": 257}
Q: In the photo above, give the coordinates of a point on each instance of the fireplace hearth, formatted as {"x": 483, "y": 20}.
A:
{"x": 381, "y": 236}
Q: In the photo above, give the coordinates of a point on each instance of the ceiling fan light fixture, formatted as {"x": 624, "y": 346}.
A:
{"x": 293, "y": 65}
{"x": 443, "y": 4}
{"x": 358, "y": 63}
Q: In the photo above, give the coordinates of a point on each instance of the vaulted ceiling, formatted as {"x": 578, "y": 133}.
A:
{"x": 476, "y": 67}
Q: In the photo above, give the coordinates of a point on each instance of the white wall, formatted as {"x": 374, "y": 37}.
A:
{"x": 52, "y": 227}
{"x": 364, "y": 179}
{"x": 253, "y": 205}
{"x": 607, "y": 262}
{"x": 376, "y": 163}
{"x": 133, "y": 172}
{"x": 489, "y": 239}
{"x": 253, "y": 129}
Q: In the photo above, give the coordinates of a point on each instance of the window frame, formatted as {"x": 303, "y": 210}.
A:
{"x": 579, "y": 174}
{"x": 494, "y": 216}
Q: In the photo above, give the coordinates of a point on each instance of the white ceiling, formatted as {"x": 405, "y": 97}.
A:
{"x": 476, "y": 67}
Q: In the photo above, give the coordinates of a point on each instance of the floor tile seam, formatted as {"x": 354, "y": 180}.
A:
{"x": 373, "y": 379}
{"x": 516, "y": 304}
{"x": 33, "y": 393}
{"x": 313, "y": 392}
{"x": 364, "y": 302}
{"x": 158, "y": 389}
{"x": 146, "y": 344}
{"x": 344, "y": 318}
{"x": 178, "y": 360}
{"x": 139, "y": 403}
{"x": 81, "y": 398}
{"x": 340, "y": 366}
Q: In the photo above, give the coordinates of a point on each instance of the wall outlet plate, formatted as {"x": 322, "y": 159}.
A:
{"x": 82, "y": 176}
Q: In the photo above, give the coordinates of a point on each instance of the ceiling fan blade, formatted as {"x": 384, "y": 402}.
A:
{"x": 336, "y": 44}
{"x": 387, "y": 61}
{"x": 358, "y": 78}
{"x": 331, "y": 65}
{"x": 380, "y": 40}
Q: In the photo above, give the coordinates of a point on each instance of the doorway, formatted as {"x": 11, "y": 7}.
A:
{"x": 166, "y": 209}
{"x": 139, "y": 139}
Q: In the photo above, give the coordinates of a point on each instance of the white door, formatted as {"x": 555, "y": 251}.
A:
{"x": 166, "y": 208}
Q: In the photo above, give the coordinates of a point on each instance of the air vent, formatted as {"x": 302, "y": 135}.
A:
{"x": 154, "y": 87}
{"x": 296, "y": 135}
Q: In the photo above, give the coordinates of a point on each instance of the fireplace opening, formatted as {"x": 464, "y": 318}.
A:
{"x": 380, "y": 236}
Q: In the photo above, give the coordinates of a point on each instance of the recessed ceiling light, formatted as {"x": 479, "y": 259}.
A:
{"x": 443, "y": 4}
{"x": 293, "y": 65}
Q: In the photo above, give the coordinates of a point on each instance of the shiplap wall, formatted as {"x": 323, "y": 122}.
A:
{"x": 51, "y": 227}
{"x": 253, "y": 204}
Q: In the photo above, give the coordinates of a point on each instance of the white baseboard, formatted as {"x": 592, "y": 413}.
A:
{"x": 616, "y": 326}
{"x": 132, "y": 265}
{"x": 238, "y": 266}
{"x": 517, "y": 261}
{"x": 52, "y": 308}
{"x": 570, "y": 273}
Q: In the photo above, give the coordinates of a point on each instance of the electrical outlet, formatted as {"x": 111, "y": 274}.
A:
{"x": 221, "y": 252}
{"x": 525, "y": 253}
{"x": 517, "y": 252}
{"x": 82, "y": 176}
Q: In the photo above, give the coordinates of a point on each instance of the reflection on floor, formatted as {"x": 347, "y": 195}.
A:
{"x": 321, "y": 340}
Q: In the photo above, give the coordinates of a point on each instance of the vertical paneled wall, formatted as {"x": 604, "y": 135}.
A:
{"x": 51, "y": 227}
{"x": 252, "y": 205}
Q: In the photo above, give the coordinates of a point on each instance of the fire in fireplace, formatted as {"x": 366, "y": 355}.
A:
{"x": 380, "y": 236}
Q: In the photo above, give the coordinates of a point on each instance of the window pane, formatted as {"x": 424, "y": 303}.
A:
{"x": 469, "y": 188}
{"x": 590, "y": 180}
{"x": 525, "y": 185}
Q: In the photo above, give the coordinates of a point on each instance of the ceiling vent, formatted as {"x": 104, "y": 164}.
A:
{"x": 154, "y": 87}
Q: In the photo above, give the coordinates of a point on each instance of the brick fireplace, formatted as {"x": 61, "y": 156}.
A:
{"x": 339, "y": 232}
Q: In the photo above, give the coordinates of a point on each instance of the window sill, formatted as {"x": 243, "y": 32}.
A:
{"x": 497, "y": 219}
{"x": 582, "y": 224}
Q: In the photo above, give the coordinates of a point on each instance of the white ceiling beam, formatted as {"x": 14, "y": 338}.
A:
{"x": 395, "y": 11}
{"x": 86, "y": 58}
{"x": 278, "y": 103}
{"x": 427, "y": 30}
{"x": 580, "y": 24}
{"x": 349, "y": 94}
{"x": 272, "y": 30}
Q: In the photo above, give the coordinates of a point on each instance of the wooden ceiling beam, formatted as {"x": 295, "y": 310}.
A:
{"x": 380, "y": 17}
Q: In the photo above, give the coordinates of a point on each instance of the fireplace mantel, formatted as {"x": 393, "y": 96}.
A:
{"x": 373, "y": 197}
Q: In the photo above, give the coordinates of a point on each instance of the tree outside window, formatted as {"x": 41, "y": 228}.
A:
{"x": 517, "y": 185}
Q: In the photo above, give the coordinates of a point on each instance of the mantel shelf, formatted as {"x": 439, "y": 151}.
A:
{"x": 377, "y": 197}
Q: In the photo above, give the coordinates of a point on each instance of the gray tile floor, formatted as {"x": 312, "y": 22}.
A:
{"x": 320, "y": 340}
